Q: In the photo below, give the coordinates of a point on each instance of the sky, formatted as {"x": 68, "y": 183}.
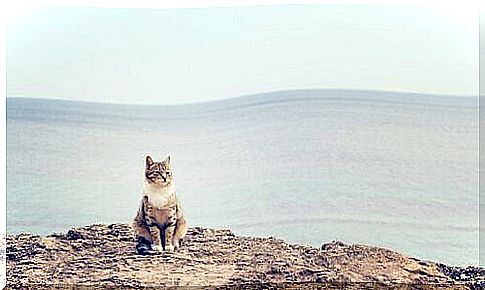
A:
{"x": 175, "y": 56}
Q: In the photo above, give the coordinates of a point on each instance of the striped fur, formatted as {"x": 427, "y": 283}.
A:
{"x": 159, "y": 223}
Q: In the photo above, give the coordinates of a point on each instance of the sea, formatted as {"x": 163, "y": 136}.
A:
{"x": 389, "y": 169}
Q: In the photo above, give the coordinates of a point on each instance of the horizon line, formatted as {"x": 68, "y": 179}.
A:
{"x": 65, "y": 99}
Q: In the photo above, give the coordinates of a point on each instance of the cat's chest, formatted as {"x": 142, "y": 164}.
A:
{"x": 160, "y": 198}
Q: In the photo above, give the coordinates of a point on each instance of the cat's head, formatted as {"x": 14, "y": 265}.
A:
{"x": 158, "y": 172}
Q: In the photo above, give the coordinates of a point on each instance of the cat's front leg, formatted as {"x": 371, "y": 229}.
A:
{"x": 179, "y": 232}
{"x": 157, "y": 242}
{"x": 169, "y": 246}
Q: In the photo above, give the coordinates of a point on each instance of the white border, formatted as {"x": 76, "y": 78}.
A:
{"x": 17, "y": 8}
{"x": 3, "y": 193}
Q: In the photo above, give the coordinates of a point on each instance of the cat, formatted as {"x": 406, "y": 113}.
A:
{"x": 159, "y": 224}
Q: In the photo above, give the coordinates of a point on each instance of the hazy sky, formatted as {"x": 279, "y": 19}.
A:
{"x": 168, "y": 56}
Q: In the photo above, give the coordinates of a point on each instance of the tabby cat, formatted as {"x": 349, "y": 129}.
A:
{"x": 159, "y": 223}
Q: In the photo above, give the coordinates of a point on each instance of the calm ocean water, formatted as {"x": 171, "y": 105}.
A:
{"x": 387, "y": 169}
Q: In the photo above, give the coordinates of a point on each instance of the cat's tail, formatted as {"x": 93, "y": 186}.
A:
{"x": 143, "y": 246}
{"x": 143, "y": 238}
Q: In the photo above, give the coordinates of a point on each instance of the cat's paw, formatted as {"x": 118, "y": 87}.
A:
{"x": 176, "y": 244}
{"x": 157, "y": 248}
{"x": 169, "y": 248}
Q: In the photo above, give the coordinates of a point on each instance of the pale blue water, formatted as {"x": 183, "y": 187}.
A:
{"x": 388, "y": 169}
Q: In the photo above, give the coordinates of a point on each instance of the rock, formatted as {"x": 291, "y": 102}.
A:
{"x": 105, "y": 256}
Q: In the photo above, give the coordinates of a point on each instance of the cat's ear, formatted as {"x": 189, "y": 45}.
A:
{"x": 167, "y": 160}
{"x": 149, "y": 161}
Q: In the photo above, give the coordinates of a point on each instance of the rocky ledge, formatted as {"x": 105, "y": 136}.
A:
{"x": 103, "y": 255}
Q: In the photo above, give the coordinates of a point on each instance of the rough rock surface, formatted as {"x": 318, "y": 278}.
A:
{"x": 104, "y": 256}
